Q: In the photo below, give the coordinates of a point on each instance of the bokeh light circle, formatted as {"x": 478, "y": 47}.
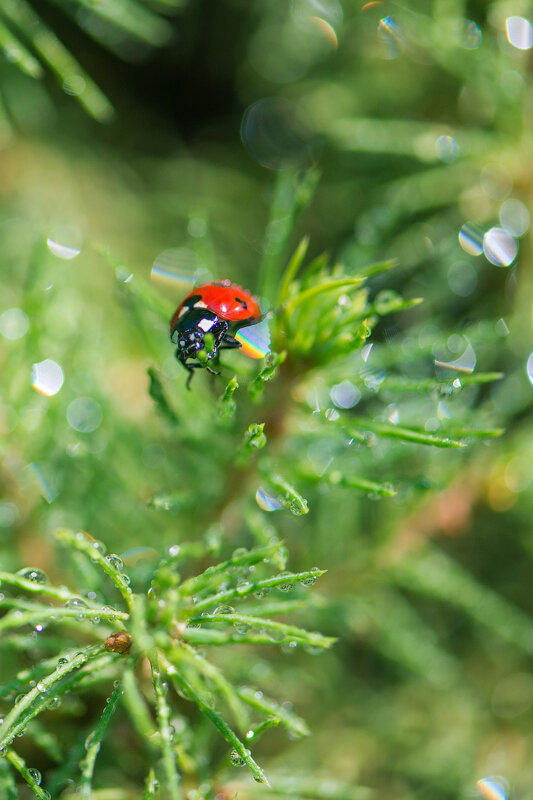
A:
{"x": 65, "y": 242}
{"x": 462, "y": 279}
{"x": 515, "y": 217}
{"x": 470, "y": 35}
{"x": 14, "y": 323}
{"x": 84, "y": 414}
{"x": 47, "y": 377}
{"x": 345, "y": 394}
{"x": 519, "y": 32}
{"x": 529, "y": 368}
{"x": 471, "y": 239}
{"x": 499, "y": 247}
{"x": 275, "y": 135}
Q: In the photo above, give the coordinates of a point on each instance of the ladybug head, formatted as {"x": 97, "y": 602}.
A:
{"x": 191, "y": 328}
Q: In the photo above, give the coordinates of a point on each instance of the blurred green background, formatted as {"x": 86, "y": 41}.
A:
{"x": 418, "y": 118}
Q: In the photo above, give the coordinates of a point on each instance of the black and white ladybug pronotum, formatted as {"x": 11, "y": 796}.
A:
{"x": 219, "y": 309}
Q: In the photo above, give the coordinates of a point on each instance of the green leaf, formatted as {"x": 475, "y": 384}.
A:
{"x": 171, "y": 666}
{"x": 21, "y": 15}
{"x": 293, "y": 192}
{"x": 288, "y": 496}
{"x": 20, "y": 765}
{"x": 390, "y": 431}
{"x": 172, "y": 502}
{"x": 336, "y": 478}
{"x": 44, "y": 589}
{"x": 291, "y": 721}
{"x": 377, "y": 268}
{"x": 254, "y": 437}
{"x": 85, "y": 544}
{"x": 399, "y": 383}
{"x": 33, "y": 614}
{"x": 8, "y": 787}
{"x": 286, "y": 579}
{"x": 165, "y": 732}
{"x": 278, "y": 632}
{"x": 309, "y": 295}
{"x": 295, "y": 262}
{"x": 226, "y": 403}
{"x": 16, "y": 53}
{"x": 151, "y": 786}
{"x": 220, "y": 683}
{"x": 218, "y": 573}
{"x": 37, "y": 699}
{"x": 93, "y": 743}
{"x": 272, "y": 362}
{"x": 136, "y": 706}
{"x": 133, "y": 18}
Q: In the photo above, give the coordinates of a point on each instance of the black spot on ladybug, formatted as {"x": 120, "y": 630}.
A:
{"x": 191, "y": 301}
{"x": 243, "y": 303}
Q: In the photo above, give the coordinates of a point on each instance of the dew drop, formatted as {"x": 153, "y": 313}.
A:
{"x": 36, "y": 775}
{"x": 114, "y": 561}
{"x": 236, "y": 759}
{"x": 89, "y": 741}
{"x": 74, "y": 85}
{"x": 311, "y": 580}
{"x": 76, "y": 602}
{"x": 33, "y": 574}
{"x": 242, "y": 628}
{"x": 224, "y": 610}
{"x": 285, "y": 587}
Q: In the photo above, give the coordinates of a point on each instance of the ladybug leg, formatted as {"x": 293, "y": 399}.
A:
{"x": 229, "y": 342}
{"x": 189, "y": 367}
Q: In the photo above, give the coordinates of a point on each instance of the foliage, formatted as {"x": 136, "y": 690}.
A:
{"x": 369, "y": 441}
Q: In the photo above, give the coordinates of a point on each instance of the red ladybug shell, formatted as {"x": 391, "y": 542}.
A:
{"x": 225, "y": 299}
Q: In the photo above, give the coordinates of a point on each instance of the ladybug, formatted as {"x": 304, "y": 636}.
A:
{"x": 220, "y": 309}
